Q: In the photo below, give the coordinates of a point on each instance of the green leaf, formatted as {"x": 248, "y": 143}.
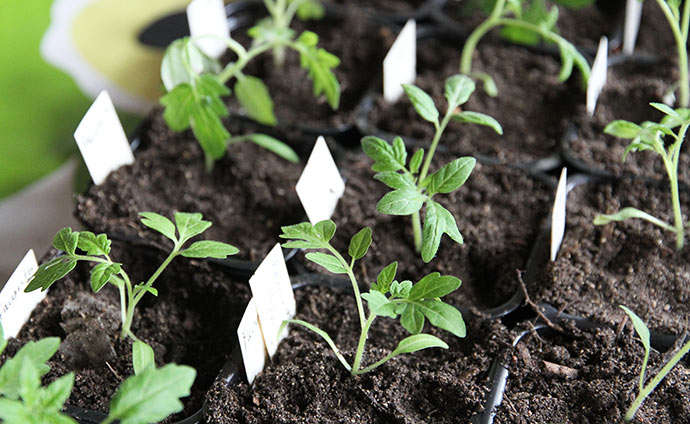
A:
{"x": 101, "y": 273}
{"x": 383, "y": 154}
{"x": 318, "y": 63}
{"x": 50, "y": 272}
{"x": 418, "y": 342}
{"x": 142, "y": 357}
{"x": 92, "y": 244}
{"x": 667, "y": 110}
{"x": 152, "y": 395}
{"x": 253, "y": 95}
{"x": 640, "y": 328}
{"x": 198, "y": 105}
{"x": 209, "y": 249}
{"x": 3, "y": 341}
{"x": 458, "y": 90}
{"x": 56, "y": 393}
{"x": 396, "y": 180}
{"x": 622, "y": 129}
{"x": 190, "y": 225}
{"x": 37, "y": 353}
{"x": 422, "y": 102}
{"x": 307, "y": 236}
{"x": 412, "y": 319}
{"x": 359, "y": 244}
{"x": 379, "y": 304}
{"x": 416, "y": 160}
{"x": 330, "y": 262}
{"x": 443, "y": 316}
{"x": 310, "y": 9}
{"x": 438, "y": 220}
{"x": 66, "y": 240}
{"x": 451, "y": 176}
{"x": 399, "y": 151}
{"x": 275, "y": 146}
{"x": 402, "y": 289}
{"x": 386, "y": 276}
{"x": 401, "y": 202}
{"x": 159, "y": 223}
{"x": 478, "y": 118}
{"x": 434, "y": 285}
{"x": 628, "y": 213}
{"x": 183, "y": 61}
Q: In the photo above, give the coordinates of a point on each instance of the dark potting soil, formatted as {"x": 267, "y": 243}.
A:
{"x": 532, "y": 106}
{"x": 305, "y": 382}
{"x": 498, "y": 211}
{"x": 633, "y": 263}
{"x": 597, "y": 381}
{"x": 398, "y": 6}
{"x": 246, "y": 199}
{"x": 358, "y": 43}
{"x": 192, "y": 321}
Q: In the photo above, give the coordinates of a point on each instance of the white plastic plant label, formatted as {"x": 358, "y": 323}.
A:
{"x": 207, "y": 19}
{"x": 633, "y": 15}
{"x": 102, "y": 140}
{"x": 597, "y": 77}
{"x": 273, "y": 296}
{"x": 16, "y": 305}
{"x": 320, "y": 186}
{"x": 400, "y": 64}
{"x": 251, "y": 342}
{"x": 558, "y": 214}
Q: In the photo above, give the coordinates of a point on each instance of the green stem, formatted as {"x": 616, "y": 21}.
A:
{"x": 353, "y": 280}
{"x": 360, "y": 345}
{"x": 242, "y": 60}
{"x": 479, "y": 32}
{"x": 127, "y": 322}
{"x": 417, "y": 231}
{"x": 655, "y": 381}
{"x": 376, "y": 364}
{"x": 680, "y": 36}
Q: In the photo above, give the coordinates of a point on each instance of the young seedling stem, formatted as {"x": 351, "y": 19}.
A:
{"x": 679, "y": 28}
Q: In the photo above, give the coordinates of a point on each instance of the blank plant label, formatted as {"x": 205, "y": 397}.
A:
{"x": 102, "y": 140}
{"x": 207, "y": 20}
{"x": 275, "y": 301}
{"x": 633, "y": 14}
{"x": 16, "y": 305}
{"x": 251, "y": 342}
{"x": 597, "y": 78}
{"x": 320, "y": 186}
{"x": 400, "y": 64}
{"x": 558, "y": 214}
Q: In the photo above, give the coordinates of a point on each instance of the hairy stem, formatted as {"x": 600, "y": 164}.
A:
{"x": 477, "y": 34}
{"x": 355, "y": 285}
{"x": 360, "y": 345}
{"x": 680, "y": 35}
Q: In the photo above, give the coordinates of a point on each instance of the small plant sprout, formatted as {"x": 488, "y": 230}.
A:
{"x": 195, "y": 83}
{"x": 96, "y": 249}
{"x": 524, "y": 22}
{"x": 412, "y": 185}
{"x": 649, "y": 136}
{"x": 679, "y": 27}
{"x": 644, "y": 391}
{"x": 387, "y": 297}
{"x": 149, "y": 397}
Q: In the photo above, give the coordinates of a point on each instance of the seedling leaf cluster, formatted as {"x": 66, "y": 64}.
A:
{"x": 196, "y": 83}
{"x": 412, "y": 303}
{"x": 650, "y": 136}
{"x": 413, "y": 186}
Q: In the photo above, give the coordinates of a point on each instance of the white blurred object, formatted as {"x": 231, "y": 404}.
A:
{"x": 30, "y": 218}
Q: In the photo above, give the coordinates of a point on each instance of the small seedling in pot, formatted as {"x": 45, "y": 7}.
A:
{"x": 412, "y": 185}
{"x": 525, "y": 22}
{"x": 679, "y": 27}
{"x": 196, "y": 83}
{"x": 148, "y": 397}
{"x": 644, "y": 391}
{"x": 650, "y": 136}
{"x": 96, "y": 249}
{"x": 387, "y": 297}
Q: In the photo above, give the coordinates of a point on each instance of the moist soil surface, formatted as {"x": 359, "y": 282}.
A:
{"x": 589, "y": 377}
{"x": 632, "y": 263}
{"x": 190, "y": 321}
{"x": 498, "y": 212}
{"x": 246, "y": 199}
{"x": 360, "y": 46}
{"x": 306, "y": 383}
{"x": 532, "y": 105}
